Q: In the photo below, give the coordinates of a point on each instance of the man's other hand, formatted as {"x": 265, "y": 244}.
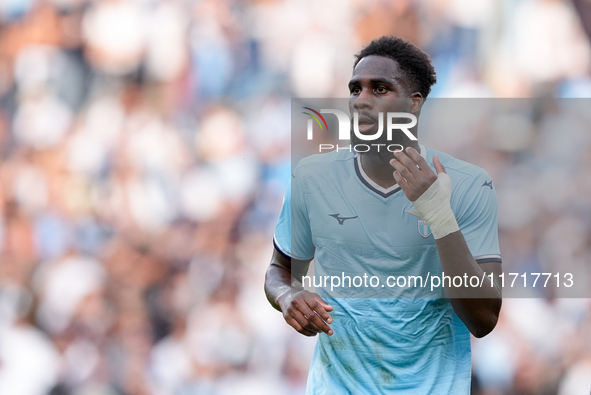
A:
{"x": 306, "y": 312}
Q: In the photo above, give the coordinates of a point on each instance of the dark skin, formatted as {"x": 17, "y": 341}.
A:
{"x": 378, "y": 85}
{"x": 301, "y": 309}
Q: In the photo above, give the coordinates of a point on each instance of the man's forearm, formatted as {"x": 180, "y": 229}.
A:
{"x": 477, "y": 307}
{"x": 277, "y": 284}
{"x": 430, "y": 194}
{"x": 283, "y": 276}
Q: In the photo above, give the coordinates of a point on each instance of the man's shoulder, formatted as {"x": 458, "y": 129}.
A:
{"x": 459, "y": 170}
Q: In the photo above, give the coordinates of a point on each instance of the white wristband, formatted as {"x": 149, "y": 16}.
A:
{"x": 434, "y": 207}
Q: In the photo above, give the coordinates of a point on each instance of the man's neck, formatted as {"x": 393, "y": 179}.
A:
{"x": 378, "y": 168}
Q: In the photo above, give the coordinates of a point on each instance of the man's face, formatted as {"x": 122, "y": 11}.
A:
{"x": 377, "y": 86}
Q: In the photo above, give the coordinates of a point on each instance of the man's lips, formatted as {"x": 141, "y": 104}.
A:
{"x": 366, "y": 119}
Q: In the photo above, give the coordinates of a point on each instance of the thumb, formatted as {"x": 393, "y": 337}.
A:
{"x": 438, "y": 166}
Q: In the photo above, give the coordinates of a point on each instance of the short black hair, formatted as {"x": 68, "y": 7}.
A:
{"x": 414, "y": 63}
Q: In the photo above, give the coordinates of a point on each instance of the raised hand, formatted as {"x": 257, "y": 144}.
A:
{"x": 414, "y": 180}
{"x": 428, "y": 192}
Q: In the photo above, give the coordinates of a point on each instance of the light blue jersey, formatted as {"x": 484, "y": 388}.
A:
{"x": 405, "y": 339}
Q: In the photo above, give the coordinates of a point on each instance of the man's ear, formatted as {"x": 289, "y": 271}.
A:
{"x": 416, "y": 102}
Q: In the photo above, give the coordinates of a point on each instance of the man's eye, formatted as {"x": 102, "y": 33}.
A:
{"x": 355, "y": 91}
{"x": 381, "y": 89}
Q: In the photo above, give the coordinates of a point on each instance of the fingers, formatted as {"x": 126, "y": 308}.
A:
{"x": 413, "y": 180}
{"x": 412, "y": 159}
{"x": 400, "y": 180}
{"x": 438, "y": 166}
{"x": 305, "y": 321}
{"x": 404, "y": 165}
{"x": 321, "y": 307}
{"x": 298, "y": 327}
{"x": 401, "y": 169}
{"x": 308, "y": 314}
{"x": 326, "y": 307}
{"x": 317, "y": 316}
{"x": 417, "y": 158}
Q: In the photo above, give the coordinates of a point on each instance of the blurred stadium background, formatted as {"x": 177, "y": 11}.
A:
{"x": 145, "y": 149}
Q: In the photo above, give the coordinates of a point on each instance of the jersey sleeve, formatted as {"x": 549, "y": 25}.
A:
{"x": 293, "y": 237}
{"x": 477, "y": 215}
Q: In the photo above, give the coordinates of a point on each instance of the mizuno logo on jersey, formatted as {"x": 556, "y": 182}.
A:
{"x": 341, "y": 219}
{"x": 488, "y": 184}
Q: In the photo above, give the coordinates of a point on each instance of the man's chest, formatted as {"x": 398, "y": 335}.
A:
{"x": 359, "y": 220}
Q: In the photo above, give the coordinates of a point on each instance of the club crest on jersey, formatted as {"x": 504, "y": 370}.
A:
{"x": 424, "y": 229}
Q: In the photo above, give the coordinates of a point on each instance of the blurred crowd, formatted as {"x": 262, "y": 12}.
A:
{"x": 145, "y": 150}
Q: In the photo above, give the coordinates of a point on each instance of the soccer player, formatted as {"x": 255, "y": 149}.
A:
{"x": 416, "y": 212}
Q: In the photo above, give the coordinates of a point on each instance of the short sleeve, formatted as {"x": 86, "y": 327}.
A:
{"x": 477, "y": 214}
{"x": 293, "y": 237}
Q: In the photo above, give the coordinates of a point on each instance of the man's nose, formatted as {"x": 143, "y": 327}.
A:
{"x": 363, "y": 101}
